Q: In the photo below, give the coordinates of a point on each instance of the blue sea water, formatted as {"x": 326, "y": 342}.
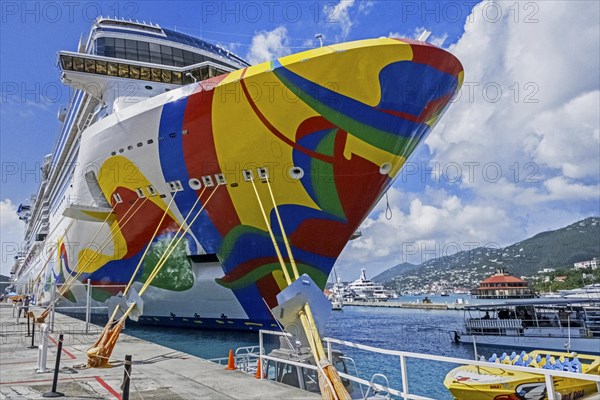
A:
{"x": 420, "y": 331}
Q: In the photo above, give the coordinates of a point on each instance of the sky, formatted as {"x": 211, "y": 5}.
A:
{"x": 517, "y": 153}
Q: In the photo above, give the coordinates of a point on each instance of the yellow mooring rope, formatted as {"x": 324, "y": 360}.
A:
{"x": 73, "y": 278}
{"x": 99, "y": 354}
{"x": 329, "y": 381}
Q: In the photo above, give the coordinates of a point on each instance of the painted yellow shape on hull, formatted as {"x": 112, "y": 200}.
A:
{"x": 361, "y": 67}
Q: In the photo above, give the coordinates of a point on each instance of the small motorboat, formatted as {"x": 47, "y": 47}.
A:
{"x": 471, "y": 382}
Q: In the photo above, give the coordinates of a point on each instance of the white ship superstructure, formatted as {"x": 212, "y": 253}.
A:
{"x": 367, "y": 290}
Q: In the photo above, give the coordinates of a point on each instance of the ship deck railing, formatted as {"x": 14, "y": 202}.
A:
{"x": 403, "y": 356}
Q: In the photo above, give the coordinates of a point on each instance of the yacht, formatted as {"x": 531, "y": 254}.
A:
{"x": 367, "y": 290}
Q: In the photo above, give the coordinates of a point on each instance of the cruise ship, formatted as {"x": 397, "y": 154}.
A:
{"x": 167, "y": 135}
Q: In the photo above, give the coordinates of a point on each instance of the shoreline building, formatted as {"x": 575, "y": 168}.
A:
{"x": 593, "y": 264}
{"x": 502, "y": 285}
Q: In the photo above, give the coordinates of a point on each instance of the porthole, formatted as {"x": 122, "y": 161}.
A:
{"x": 296, "y": 173}
{"x": 151, "y": 190}
{"x": 113, "y": 153}
{"x": 150, "y": 141}
{"x": 140, "y": 193}
{"x": 121, "y": 150}
{"x": 184, "y": 132}
{"x": 385, "y": 168}
{"x": 129, "y": 147}
{"x": 148, "y": 87}
{"x": 195, "y": 184}
{"x": 173, "y": 135}
{"x": 140, "y": 144}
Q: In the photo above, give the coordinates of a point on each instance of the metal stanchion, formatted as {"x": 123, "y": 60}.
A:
{"x": 28, "y": 329}
{"x": 52, "y": 305}
{"x": 126, "y": 377}
{"x": 88, "y": 309}
{"x": 33, "y": 346}
{"x": 54, "y": 393}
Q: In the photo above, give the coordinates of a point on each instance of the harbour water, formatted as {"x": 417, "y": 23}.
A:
{"x": 421, "y": 331}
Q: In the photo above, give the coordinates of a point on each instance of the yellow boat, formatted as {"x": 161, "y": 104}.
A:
{"x": 471, "y": 382}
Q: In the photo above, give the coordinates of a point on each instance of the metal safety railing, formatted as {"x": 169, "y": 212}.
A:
{"x": 57, "y": 304}
{"x": 403, "y": 356}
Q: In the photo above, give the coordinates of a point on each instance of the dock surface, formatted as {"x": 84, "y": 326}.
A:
{"x": 157, "y": 371}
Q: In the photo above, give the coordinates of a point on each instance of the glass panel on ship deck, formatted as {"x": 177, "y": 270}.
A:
{"x": 177, "y": 77}
{"x": 134, "y": 72}
{"x": 112, "y": 69}
{"x": 143, "y": 49}
{"x": 90, "y": 66}
{"x": 67, "y": 62}
{"x": 166, "y": 76}
{"x": 78, "y": 64}
{"x": 101, "y": 67}
{"x": 203, "y": 73}
{"x": 145, "y": 73}
{"x": 178, "y": 57}
{"x": 155, "y": 74}
{"x": 167, "y": 55}
{"x": 123, "y": 71}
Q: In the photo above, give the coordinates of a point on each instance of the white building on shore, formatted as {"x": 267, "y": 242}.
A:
{"x": 593, "y": 264}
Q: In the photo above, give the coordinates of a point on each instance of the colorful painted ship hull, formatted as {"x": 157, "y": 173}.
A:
{"x": 331, "y": 126}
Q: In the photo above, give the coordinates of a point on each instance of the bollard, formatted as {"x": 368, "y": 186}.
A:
{"x": 126, "y": 377}
{"x": 43, "y": 350}
{"x": 54, "y": 393}
{"x": 33, "y": 346}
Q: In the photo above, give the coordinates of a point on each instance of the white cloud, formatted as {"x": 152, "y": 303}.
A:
{"x": 11, "y": 234}
{"x": 343, "y": 15}
{"x": 569, "y": 136}
{"x": 434, "y": 224}
{"x": 560, "y": 188}
{"x": 269, "y": 45}
{"x": 339, "y": 14}
{"x": 540, "y": 130}
{"x": 365, "y": 6}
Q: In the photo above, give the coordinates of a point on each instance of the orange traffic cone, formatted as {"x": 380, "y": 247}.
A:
{"x": 258, "y": 370}
{"x": 230, "y": 362}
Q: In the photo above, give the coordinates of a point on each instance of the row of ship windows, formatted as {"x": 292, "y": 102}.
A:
{"x": 172, "y": 135}
{"x": 147, "y": 52}
{"x": 176, "y": 186}
{"x": 207, "y": 181}
{"x": 121, "y": 70}
{"x": 140, "y": 144}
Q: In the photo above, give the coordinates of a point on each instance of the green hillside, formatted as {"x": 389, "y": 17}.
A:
{"x": 394, "y": 271}
{"x": 553, "y": 249}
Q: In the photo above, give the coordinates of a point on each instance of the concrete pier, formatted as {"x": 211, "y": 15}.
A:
{"x": 157, "y": 372}
{"x": 397, "y": 304}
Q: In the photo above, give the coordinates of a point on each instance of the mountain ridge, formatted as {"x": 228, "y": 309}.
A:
{"x": 579, "y": 241}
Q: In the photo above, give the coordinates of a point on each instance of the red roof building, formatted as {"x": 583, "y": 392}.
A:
{"x": 501, "y": 285}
